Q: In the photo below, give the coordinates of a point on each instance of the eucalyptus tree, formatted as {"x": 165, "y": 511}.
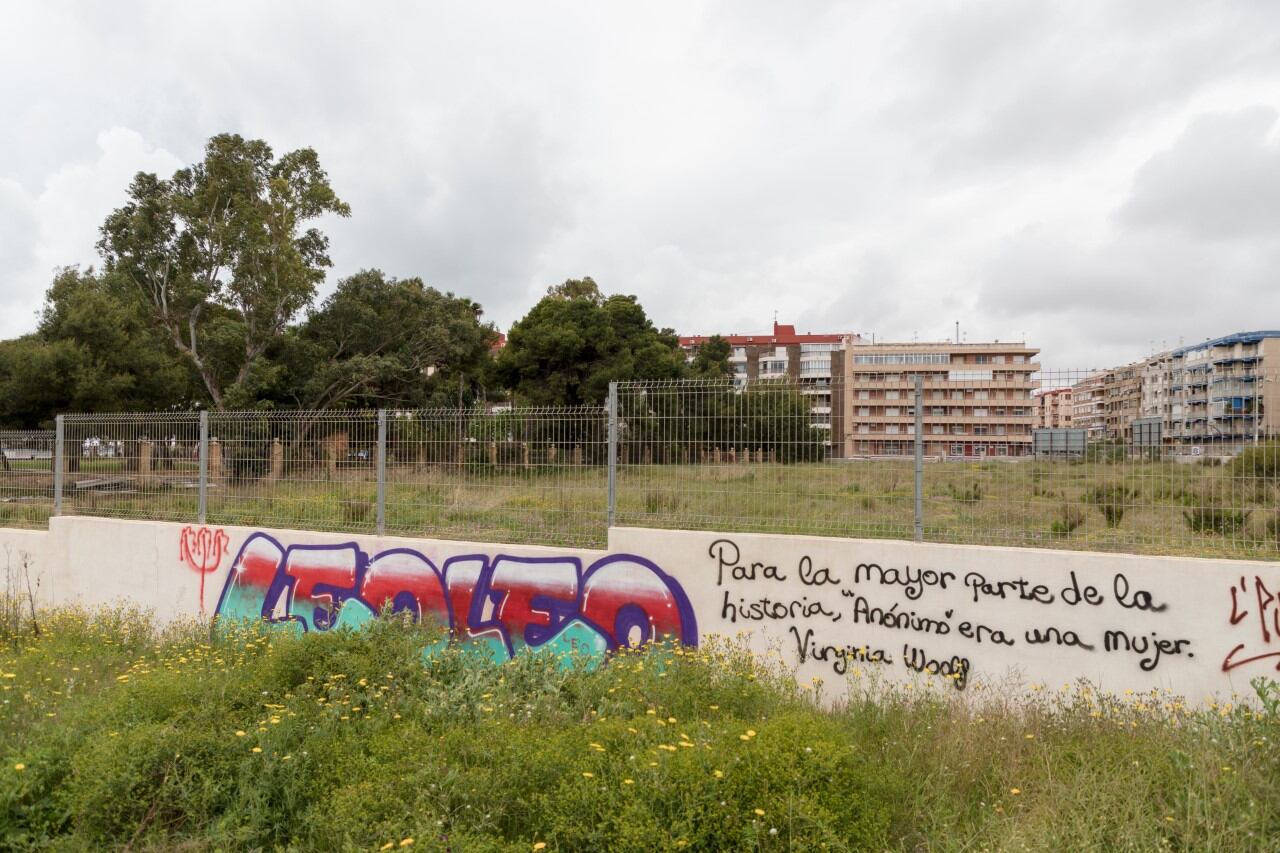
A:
{"x": 225, "y": 254}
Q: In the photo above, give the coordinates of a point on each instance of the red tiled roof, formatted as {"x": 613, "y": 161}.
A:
{"x": 782, "y": 335}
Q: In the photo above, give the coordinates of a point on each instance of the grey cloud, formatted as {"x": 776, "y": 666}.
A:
{"x": 872, "y": 166}
{"x": 1009, "y": 83}
{"x": 1220, "y": 180}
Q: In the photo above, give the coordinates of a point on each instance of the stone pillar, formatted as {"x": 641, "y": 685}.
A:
{"x": 647, "y": 455}
{"x": 733, "y": 455}
{"x": 524, "y": 454}
{"x": 551, "y": 455}
{"x": 462, "y": 453}
{"x": 493, "y": 453}
{"x": 144, "y": 461}
{"x": 715, "y": 456}
{"x": 277, "y": 461}
{"x": 215, "y": 462}
{"x": 577, "y": 454}
{"x": 759, "y": 454}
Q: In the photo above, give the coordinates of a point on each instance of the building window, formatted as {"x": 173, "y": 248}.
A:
{"x": 979, "y": 395}
{"x": 864, "y": 395}
{"x": 979, "y": 413}
{"x": 939, "y": 429}
{"x": 891, "y": 395}
{"x": 1000, "y": 429}
{"x": 979, "y": 430}
{"x": 864, "y": 428}
{"x": 891, "y": 428}
{"x": 957, "y": 450}
{"x": 892, "y": 412}
{"x": 969, "y": 375}
{"x": 1002, "y": 450}
{"x": 864, "y": 412}
{"x": 957, "y": 429}
{"x": 939, "y": 395}
{"x": 982, "y": 359}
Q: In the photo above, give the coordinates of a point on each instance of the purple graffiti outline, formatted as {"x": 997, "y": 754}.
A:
{"x": 560, "y": 611}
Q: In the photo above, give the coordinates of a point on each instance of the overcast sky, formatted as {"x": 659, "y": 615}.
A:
{"x": 1097, "y": 177}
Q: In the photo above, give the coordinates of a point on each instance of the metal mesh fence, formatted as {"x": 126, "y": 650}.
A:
{"x": 527, "y": 475}
{"x": 1152, "y": 458}
{"x": 1155, "y": 458}
{"x": 26, "y": 477}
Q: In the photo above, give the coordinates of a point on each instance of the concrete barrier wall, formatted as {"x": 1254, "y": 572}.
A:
{"x": 960, "y": 613}
{"x": 950, "y": 615}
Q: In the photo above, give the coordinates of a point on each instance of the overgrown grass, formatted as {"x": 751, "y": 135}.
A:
{"x": 1138, "y": 505}
{"x": 118, "y": 734}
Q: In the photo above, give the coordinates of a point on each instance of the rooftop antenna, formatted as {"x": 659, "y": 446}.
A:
{"x": 957, "y": 331}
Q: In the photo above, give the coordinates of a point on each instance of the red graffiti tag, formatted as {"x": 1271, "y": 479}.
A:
{"x": 202, "y": 550}
{"x": 1264, "y": 605}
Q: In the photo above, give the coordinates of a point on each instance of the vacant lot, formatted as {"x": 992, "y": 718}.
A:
{"x": 1129, "y": 505}
{"x": 118, "y": 734}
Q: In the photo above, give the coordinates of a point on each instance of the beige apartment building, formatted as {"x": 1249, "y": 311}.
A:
{"x": 1054, "y": 409}
{"x": 1121, "y": 400}
{"x": 978, "y": 399}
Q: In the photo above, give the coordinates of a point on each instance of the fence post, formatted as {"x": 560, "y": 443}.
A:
{"x": 59, "y": 452}
{"x": 919, "y": 442}
{"x": 382, "y": 471}
{"x": 613, "y": 451}
{"x": 203, "y": 511}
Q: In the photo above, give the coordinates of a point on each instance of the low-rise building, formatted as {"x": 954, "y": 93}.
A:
{"x": 808, "y": 360}
{"x": 1054, "y": 408}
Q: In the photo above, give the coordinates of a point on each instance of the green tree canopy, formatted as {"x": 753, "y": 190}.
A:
{"x": 222, "y": 255}
{"x": 95, "y": 350}
{"x": 380, "y": 341}
{"x": 576, "y": 340}
{"x": 711, "y": 361}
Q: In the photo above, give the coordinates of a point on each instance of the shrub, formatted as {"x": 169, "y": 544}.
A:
{"x": 970, "y": 492}
{"x": 656, "y": 501}
{"x": 1262, "y": 462}
{"x": 1109, "y": 452}
{"x": 1216, "y": 519}
{"x": 1111, "y": 500}
{"x": 1069, "y": 518}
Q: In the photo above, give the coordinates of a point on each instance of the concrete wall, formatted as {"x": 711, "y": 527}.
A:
{"x": 951, "y": 615}
{"x": 962, "y": 613}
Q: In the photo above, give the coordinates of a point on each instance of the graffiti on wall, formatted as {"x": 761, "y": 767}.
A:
{"x": 202, "y": 549}
{"x": 1255, "y": 609}
{"x": 507, "y": 603}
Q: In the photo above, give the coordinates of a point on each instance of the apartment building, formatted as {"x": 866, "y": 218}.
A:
{"x": 1225, "y": 390}
{"x": 808, "y": 360}
{"x": 1121, "y": 400}
{"x": 1087, "y": 406}
{"x": 1054, "y": 409}
{"x": 978, "y": 398}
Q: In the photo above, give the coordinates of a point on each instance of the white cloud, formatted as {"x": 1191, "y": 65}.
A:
{"x": 58, "y": 225}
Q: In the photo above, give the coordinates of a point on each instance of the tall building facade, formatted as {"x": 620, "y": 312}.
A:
{"x": 1225, "y": 390}
{"x": 978, "y": 398}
